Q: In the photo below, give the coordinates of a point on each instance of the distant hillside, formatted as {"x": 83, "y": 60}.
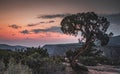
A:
{"x": 60, "y": 49}
{"x": 114, "y": 41}
{"x": 112, "y": 50}
{"x": 5, "y": 46}
{"x": 113, "y": 18}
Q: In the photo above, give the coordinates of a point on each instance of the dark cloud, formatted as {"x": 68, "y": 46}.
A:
{"x": 53, "y": 16}
{"x": 54, "y": 29}
{"x": 30, "y": 25}
{"x": 42, "y": 22}
{"x": 14, "y": 26}
{"x": 52, "y": 21}
{"x": 36, "y": 31}
{"x": 25, "y": 32}
{"x": 51, "y": 29}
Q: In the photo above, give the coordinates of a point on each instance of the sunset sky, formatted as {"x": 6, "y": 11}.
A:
{"x": 37, "y": 22}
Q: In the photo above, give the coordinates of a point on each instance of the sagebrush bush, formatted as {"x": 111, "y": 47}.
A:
{"x": 31, "y": 61}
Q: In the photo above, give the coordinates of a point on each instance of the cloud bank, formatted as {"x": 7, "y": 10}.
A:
{"x": 36, "y": 31}
{"x": 25, "y": 32}
{"x": 52, "y": 16}
{"x": 14, "y": 26}
{"x": 42, "y": 22}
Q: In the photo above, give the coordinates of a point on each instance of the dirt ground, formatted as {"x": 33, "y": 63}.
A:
{"x": 103, "y": 69}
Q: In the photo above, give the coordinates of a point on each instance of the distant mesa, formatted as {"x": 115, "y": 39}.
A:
{"x": 114, "y": 41}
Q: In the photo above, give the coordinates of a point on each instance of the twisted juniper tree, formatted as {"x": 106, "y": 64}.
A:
{"x": 90, "y": 25}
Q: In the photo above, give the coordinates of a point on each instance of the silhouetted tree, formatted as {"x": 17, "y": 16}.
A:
{"x": 90, "y": 25}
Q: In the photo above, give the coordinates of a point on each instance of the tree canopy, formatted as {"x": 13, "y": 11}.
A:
{"x": 89, "y": 24}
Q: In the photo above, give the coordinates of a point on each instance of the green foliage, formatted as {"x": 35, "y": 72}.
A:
{"x": 89, "y": 24}
{"x": 69, "y": 53}
{"x": 31, "y": 61}
{"x": 92, "y": 61}
{"x": 19, "y": 68}
{"x": 93, "y": 57}
{"x": 89, "y": 57}
{"x": 5, "y": 56}
{"x": 39, "y": 50}
{"x": 92, "y": 52}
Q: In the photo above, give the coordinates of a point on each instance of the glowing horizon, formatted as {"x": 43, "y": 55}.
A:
{"x": 37, "y": 22}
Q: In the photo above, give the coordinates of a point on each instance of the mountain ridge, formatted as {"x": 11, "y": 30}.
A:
{"x": 10, "y": 47}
